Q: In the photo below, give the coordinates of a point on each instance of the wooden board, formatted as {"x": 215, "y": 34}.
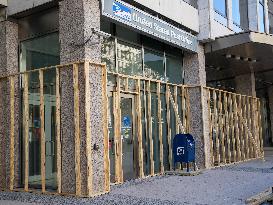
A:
{"x": 88, "y": 130}
{"x": 105, "y": 129}
{"x": 77, "y": 128}
{"x": 12, "y": 130}
{"x": 26, "y": 133}
{"x": 58, "y": 131}
{"x": 150, "y": 132}
{"x": 139, "y": 131}
{"x": 159, "y": 114}
{"x": 42, "y": 139}
{"x": 169, "y": 127}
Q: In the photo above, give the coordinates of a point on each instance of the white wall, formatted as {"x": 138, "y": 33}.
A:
{"x": 176, "y": 10}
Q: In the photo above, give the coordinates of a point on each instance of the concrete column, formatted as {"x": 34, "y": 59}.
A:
{"x": 253, "y": 15}
{"x": 245, "y": 84}
{"x": 270, "y": 95}
{"x": 78, "y": 42}
{"x": 195, "y": 74}
{"x": 206, "y": 18}
{"x": 266, "y": 18}
{"x": 8, "y": 65}
{"x": 229, "y": 14}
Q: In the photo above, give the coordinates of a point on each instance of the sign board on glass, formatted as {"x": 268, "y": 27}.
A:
{"x": 148, "y": 24}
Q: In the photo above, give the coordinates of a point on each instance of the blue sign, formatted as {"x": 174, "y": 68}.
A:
{"x": 126, "y": 121}
{"x": 147, "y": 24}
{"x": 122, "y": 11}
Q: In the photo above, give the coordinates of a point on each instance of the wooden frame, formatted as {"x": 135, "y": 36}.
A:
{"x": 42, "y": 140}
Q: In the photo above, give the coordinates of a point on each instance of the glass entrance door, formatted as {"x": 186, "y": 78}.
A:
{"x": 128, "y": 139}
{"x": 34, "y": 140}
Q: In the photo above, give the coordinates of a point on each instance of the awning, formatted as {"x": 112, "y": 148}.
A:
{"x": 239, "y": 54}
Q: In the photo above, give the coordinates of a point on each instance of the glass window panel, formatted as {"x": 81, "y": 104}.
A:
{"x": 174, "y": 69}
{"x": 261, "y": 18}
{"x": 38, "y": 53}
{"x": 129, "y": 59}
{"x": 236, "y": 12}
{"x": 154, "y": 65}
{"x": 220, "y": 7}
{"x": 108, "y": 53}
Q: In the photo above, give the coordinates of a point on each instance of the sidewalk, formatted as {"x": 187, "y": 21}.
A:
{"x": 228, "y": 185}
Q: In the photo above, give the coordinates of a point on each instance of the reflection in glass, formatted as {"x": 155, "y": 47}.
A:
{"x": 261, "y": 16}
{"x": 108, "y": 53}
{"x": 154, "y": 65}
{"x": 129, "y": 59}
{"x": 220, "y": 7}
{"x": 174, "y": 69}
{"x": 236, "y": 11}
{"x": 38, "y": 53}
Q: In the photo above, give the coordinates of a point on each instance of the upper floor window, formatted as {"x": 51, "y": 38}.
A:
{"x": 236, "y": 12}
{"x": 261, "y": 16}
{"x": 220, "y": 12}
{"x": 220, "y": 7}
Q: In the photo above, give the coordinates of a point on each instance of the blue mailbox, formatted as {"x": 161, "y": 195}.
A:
{"x": 184, "y": 149}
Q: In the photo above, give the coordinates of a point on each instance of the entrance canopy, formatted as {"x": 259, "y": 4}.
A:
{"x": 238, "y": 54}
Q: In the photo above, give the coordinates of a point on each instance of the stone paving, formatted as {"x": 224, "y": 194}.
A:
{"x": 226, "y": 185}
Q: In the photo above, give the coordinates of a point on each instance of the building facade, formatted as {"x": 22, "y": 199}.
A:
{"x": 223, "y": 44}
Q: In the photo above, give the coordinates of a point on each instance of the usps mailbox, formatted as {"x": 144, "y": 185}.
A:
{"x": 184, "y": 149}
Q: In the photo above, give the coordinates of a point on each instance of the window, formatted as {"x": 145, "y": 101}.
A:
{"x": 270, "y": 15}
{"x": 133, "y": 54}
{"x": 261, "y": 16}
{"x": 236, "y": 12}
{"x": 220, "y": 14}
{"x": 220, "y": 7}
{"x": 240, "y": 15}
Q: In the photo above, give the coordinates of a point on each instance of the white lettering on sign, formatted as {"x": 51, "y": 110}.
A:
{"x": 181, "y": 38}
{"x": 180, "y": 151}
{"x": 142, "y": 21}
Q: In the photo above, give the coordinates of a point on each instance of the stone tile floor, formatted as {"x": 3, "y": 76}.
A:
{"x": 226, "y": 185}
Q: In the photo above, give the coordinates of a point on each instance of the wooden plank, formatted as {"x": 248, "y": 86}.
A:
{"x": 159, "y": 114}
{"x": 42, "y": 139}
{"x": 211, "y": 121}
{"x": 229, "y": 127}
{"x": 247, "y": 113}
{"x": 240, "y": 124}
{"x": 260, "y": 126}
{"x": 105, "y": 130}
{"x": 244, "y": 131}
{"x": 77, "y": 128}
{"x": 217, "y": 133}
{"x": 118, "y": 140}
{"x": 169, "y": 127}
{"x": 176, "y": 110}
{"x": 150, "y": 132}
{"x": 233, "y": 114}
{"x": 26, "y": 133}
{"x": 237, "y": 129}
{"x": 139, "y": 131}
{"x": 146, "y": 148}
{"x": 188, "y": 128}
{"x": 88, "y": 139}
{"x": 58, "y": 131}
{"x": 224, "y": 128}
{"x": 183, "y": 106}
{"x": 12, "y": 130}
{"x": 214, "y": 120}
